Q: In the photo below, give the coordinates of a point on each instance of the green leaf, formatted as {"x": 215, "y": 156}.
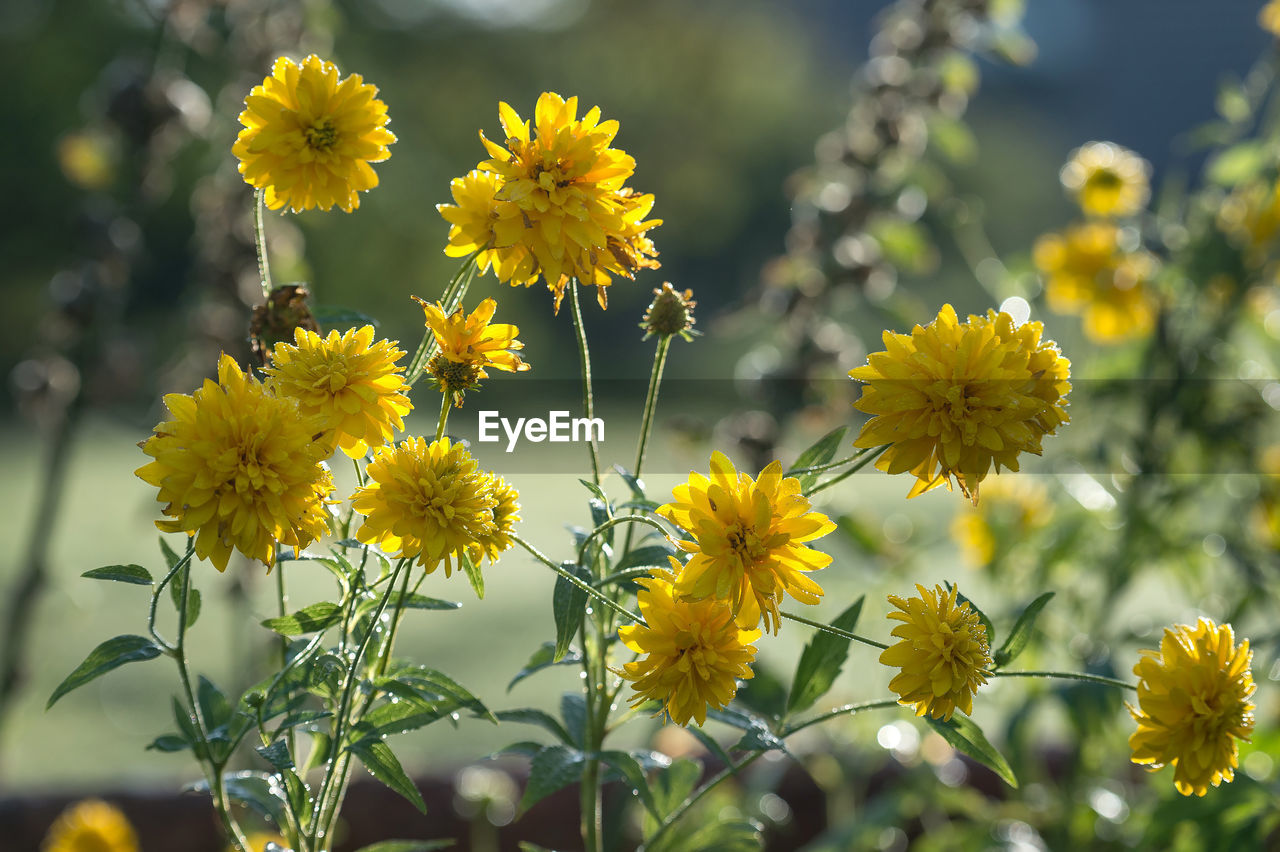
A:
{"x": 821, "y": 661}
{"x": 643, "y": 505}
{"x": 382, "y": 764}
{"x": 277, "y": 754}
{"x": 134, "y": 574}
{"x": 543, "y": 658}
{"x": 731, "y": 835}
{"x": 398, "y": 717}
{"x": 171, "y": 557}
{"x": 111, "y": 654}
{"x": 258, "y": 790}
{"x": 982, "y": 616}
{"x": 214, "y": 706}
{"x": 599, "y": 515}
{"x": 633, "y": 774}
{"x": 472, "y": 570}
{"x": 952, "y": 138}
{"x": 431, "y": 685}
{"x": 412, "y": 600}
{"x": 1240, "y": 163}
{"x": 757, "y": 735}
{"x": 318, "y": 616}
{"x": 595, "y": 491}
{"x": 568, "y": 604}
{"x": 551, "y": 769}
{"x": 652, "y": 556}
{"x": 407, "y": 845}
{"x": 573, "y": 709}
{"x": 967, "y": 737}
{"x": 169, "y": 743}
{"x": 193, "y": 597}
{"x": 636, "y": 485}
{"x": 670, "y": 788}
{"x": 822, "y": 451}
{"x": 1232, "y": 102}
{"x": 542, "y": 719}
{"x": 1018, "y": 638}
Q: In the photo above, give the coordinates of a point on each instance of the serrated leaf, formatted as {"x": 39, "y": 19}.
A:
{"x": 822, "y": 451}
{"x": 111, "y": 654}
{"x": 568, "y": 605}
{"x": 672, "y": 786}
{"x": 544, "y": 720}
{"x": 731, "y": 835}
{"x": 214, "y": 706}
{"x": 544, "y": 658}
{"x": 1020, "y": 635}
{"x": 552, "y": 768}
{"x": 430, "y": 684}
{"x": 399, "y": 717}
{"x": 382, "y": 764}
{"x": 821, "y": 661}
{"x": 309, "y": 619}
{"x": 968, "y": 738}
{"x": 407, "y": 845}
{"x": 277, "y": 754}
{"x": 412, "y": 600}
{"x": 573, "y": 709}
{"x": 631, "y": 771}
{"x": 171, "y": 557}
{"x": 135, "y": 574}
{"x": 472, "y": 570}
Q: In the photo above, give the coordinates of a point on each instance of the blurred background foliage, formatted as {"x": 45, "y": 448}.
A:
{"x": 811, "y": 198}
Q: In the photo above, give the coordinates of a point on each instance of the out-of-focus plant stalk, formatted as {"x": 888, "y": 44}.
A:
{"x": 260, "y": 241}
{"x": 588, "y": 397}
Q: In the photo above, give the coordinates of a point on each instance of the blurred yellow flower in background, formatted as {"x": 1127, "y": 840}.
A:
{"x": 942, "y": 652}
{"x": 1269, "y": 17}
{"x": 425, "y": 501}
{"x": 954, "y": 399}
{"x": 347, "y": 380}
{"x": 554, "y": 204}
{"x": 468, "y": 344}
{"x": 692, "y": 652}
{"x": 749, "y": 540}
{"x": 1012, "y": 507}
{"x": 239, "y": 467}
{"x": 91, "y": 825}
{"x": 1106, "y": 180}
{"x": 309, "y": 137}
{"x": 1089, "y": 271}
{"x": 1250, "y": 215}
{"x": 1193, "y": 704}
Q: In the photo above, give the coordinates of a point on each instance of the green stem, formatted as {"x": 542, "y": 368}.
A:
{"x": 344, "y": 708}
{"x": 864, "y": 460}
{"x": 836, "y": 631}
{"x": 168, "y": 647}
{"x": 1087, "y": 678}
{"x": 444, "y": 415}
{"x": 687, "y": 804}
{"x": 846, "y": 710}
{"x": 613, "y": 522}
{"x": 820, "y": 468}
{"x": 260, "y": 240}
{"x": 282, "y": 599}
{"x": 591, "y": 592}
{"x": 651, "y": 400}
{"x": 588, "y": 397}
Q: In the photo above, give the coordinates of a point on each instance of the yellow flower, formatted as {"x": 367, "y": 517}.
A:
{"x": 554, "y": 204}
{"x": 347, "y": 380}
{"x": 258, "y": 841}
{"x": 1193, "y": 704}
{"x": 953, "y": 399}
{"x": 469, "y": 344}
{"x": 942, "y": 652}
{"x": 748, "y": 540}
{"x": 425, "y": 501}
{"x": 238, "y": 466}
{"x": 308, "y": 137}
{"x": 505, "y": 514}
{"x": 91, "y": 825}
{"x": 1108, "y": 181}
{"x": 1250, "y": 215}
{"x": 1089, "y": 272}
{"x": 1269, "y": 17}
{"x": 1012, "y": 508}
{"x": 693, "y": 652}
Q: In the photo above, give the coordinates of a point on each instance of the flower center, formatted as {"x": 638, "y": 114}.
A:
{"x": 745, "y": 544}
{"x": 322, "y": 135}
{"x": 453, "y": 376}
{"x": 1105, "y": 179}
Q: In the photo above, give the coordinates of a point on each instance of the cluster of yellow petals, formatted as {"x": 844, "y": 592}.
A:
{"x": 692, "y": 653}
{"x": 1193, "y": 705}
{"x": 352, "y": 383}
{"x": 749, "y": 540}
{"x": 552, "y": 202}
{"x": 239, "y": 467}
{"x": 1012, "y": 508}
{"x": 1107, "y": 180}
{"x": 953, "y": 400}
{"x": 494, "y": 542}
{"x": 1090, "y": 270}
{"x": 309, "y": 137}
{"x": 91, "y": 825}
{"x": 942, "y": 652}
{"x": 426, "y": 501}
{"x": 468, "y": 344}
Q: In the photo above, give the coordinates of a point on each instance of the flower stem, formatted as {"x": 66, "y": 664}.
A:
{"x": 687, "y": 804}
{"x": 260, "y": 240}
{"x": 651, "y": 400}
{"x": 846, "y": 710}
{"x": 613, "y": 522}
{"x": 865, "y": 458}
{"x": 588, "y": 398}
{"x": 836, "y": 631}
{"x": 444, "y": 415}
{"x": 591, "y": 592}
{"x": 1087, "y": 678}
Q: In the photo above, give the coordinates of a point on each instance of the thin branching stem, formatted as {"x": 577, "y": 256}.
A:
{"x": 846, "y": 710}
{"x": 592, "y": 593}
{"x": 613, "y": 522}
{"x": 687, "y": 804}
{"x": 1081, "y": 676}
{"x": 588, "y": 396}
{"x": 836, "y": 631}
{"x": 444, "y": 415}
{"x": 862, "y": 462}
{"x": 260, "y": 241}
